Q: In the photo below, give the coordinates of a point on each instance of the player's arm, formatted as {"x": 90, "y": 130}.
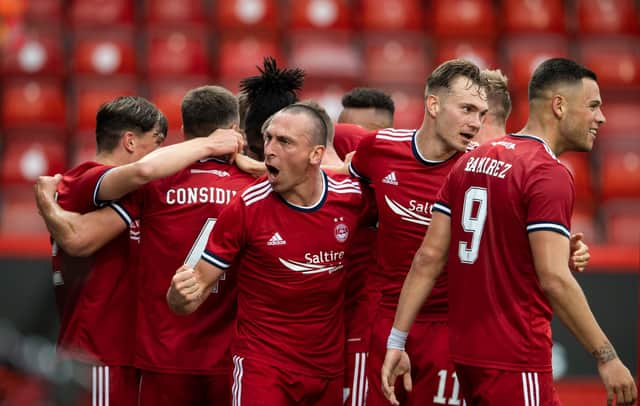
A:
{"x": 166, "y": 161}
{"x": 550, "y": 252}
{"x": 77, "y": 234}
{"x": 190, "y": 287}
{"x": 427, "y": 265}
{"x": 251, "y": 166}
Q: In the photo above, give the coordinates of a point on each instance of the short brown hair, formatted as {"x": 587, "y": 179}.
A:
{"x": 208, "y": 108}
{"x": 443, "y": 75}
{"x": 498, "y": 95}
{"x": 126, "y": 113}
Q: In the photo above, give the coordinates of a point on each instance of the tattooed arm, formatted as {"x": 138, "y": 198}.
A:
{"x": 551, "y": 257}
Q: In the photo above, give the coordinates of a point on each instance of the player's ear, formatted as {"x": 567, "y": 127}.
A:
{"x": 128, "y": 141}
{"x": 558, "y": 106}
{"x": 432, "y": 104}
{"x": 316, "y": 154}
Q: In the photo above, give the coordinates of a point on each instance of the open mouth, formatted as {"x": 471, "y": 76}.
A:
{"x": 468, "y": 136}
{"x": 272, "y": 170}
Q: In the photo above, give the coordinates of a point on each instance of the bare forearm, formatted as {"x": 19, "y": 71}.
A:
{"x": 416, "y": 288}
{"x": 570, "y": 305}
{"x": 158, "y": 164}
{"x": 62, "y": 227}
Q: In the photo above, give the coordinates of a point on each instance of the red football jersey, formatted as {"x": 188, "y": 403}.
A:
{"x": 291, "y": 281}
{"x": 496, "y": 195}
{"x": 173, "y": 211}
{"x": 406, "y": 185}
{"x": 347, "y": 137}
{"x": 94, "y": 295}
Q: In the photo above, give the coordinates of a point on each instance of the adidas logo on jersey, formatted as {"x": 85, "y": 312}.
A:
{"x": 390, "y": 179}
{"x": 276, "y": 239}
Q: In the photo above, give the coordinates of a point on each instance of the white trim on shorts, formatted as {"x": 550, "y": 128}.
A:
{"x": 530, "y": 389}
{"x": 360, "y": 383}
{"x": 236, "y": 389}
{"x": 99, "y": 386}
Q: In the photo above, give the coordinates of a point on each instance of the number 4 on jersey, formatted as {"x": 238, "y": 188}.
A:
{"x": 198, "y": 248}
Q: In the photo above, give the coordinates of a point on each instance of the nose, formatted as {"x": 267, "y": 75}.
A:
{"x": 600, "y": 119}
{"x": 476, "y": 121}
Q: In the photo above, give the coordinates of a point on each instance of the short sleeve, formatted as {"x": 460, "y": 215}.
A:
{"x": 227, "y": 238}
{"x": 81, "y": 193}
{"x": 129, "y": 208}
{"x": 550, "y": 196}
{"x": 443, "y": 198}
{"x": 362, "y": 163}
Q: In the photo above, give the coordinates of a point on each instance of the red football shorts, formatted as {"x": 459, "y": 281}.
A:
{"x": 259, "y": 384}
{"x": 111, "y": 385}
{"x": 432, "y": 373}
{"x": 160, "y": 389}
{"x": 355, "y": 379}
{"x": 494, "y": 387}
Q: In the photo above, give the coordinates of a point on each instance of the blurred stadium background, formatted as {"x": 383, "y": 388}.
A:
{"x": 60, "y": 59}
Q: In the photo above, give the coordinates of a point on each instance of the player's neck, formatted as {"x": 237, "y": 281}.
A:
{"x": 546, "y": 131}
{"x": 110, "y": 158}
{"x": 308, "y": 192}
{"x": 431, "y": 146}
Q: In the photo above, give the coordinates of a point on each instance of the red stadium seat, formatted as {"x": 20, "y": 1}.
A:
{"x": 409, "y": 105}
{"x": 582, "y": 221}
{"x": 25, "y": 157}
{"x": 396, "y": 59}
{"x": 623, "y": 120}
{"x": 90, "y": 95}
{"x": 90, "y": 13}
{"x": 392, "y": 15}
{"x": 326, "y": 54}
{"x": 177, "y": 52}
{"x": 172, "y": 12}
{"x": 240, "y": 54}
{"x": 167, "y": 96}
{"x": 615, "y": 60}
{"x": 320, "y": 14}
{"x": 327, "y": 94}
{"x": 607, "y": 16}
{"x": 246, "y": 15}
{"x": 46, "y": 11}
{"x": 33, "y": 103}
{"x": 18, "y": 212}
{"x": 620, "y": 173}
{"x": 83, "y": 148}
{"x": 463, "y": 19}
{"x": 38, "y": 53}
{"x": 524, "y": 54}
{"x": 534, "y": 16}
{"x": 622, "y": 222}
{"x": 480, "y": 52}
{"x": 519, "y": 111}
{"x": 578, "y": 164}
{"x": 104, "y": 53}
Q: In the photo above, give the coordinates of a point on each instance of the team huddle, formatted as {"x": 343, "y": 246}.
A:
{"x": 277, "y": 258}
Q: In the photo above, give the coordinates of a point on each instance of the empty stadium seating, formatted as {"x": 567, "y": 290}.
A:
{"x": 238, "y": 55}
{"x": 607, "y": 16}
{"x": 176, "y": 52}
{"x": 90, "y": 95}
{"x": 534, "y": 16}
{"x": 246, "y": 15}
{"x": 401, "y": 59}
{"x": 29, "y": 103}
{"x": 391, "y": 15}
{"x": 309, "y": 51}
{"x": 39, "y": 52}
{"x": 463, "y": 19}
{"x": 104, "y": 53}
{"x": 162, "y": 12}
{"x": 320, "y": 15}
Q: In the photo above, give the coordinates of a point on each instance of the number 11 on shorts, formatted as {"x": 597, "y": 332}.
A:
{"x": 440, "y": 397}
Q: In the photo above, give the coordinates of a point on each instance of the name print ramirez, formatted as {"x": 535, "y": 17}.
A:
{"x": 195, "y": 195}
{"x": 488, "y": 166}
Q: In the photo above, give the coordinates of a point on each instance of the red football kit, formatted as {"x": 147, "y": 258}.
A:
{"x": 499, "y": 318}
{"x": 290, "y": 266}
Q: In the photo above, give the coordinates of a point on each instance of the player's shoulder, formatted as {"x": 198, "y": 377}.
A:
{"x": 256, "y": 193}
{"x": 394, "y": 135}
{"x": 339, "y": 183}
{"x": 344, "y": 130}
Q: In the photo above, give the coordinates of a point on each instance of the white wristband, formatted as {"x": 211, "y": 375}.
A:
{"x": 396, "y": 339}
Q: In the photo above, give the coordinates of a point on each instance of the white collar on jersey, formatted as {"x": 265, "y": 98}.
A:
{"x": 533, "y": 137}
